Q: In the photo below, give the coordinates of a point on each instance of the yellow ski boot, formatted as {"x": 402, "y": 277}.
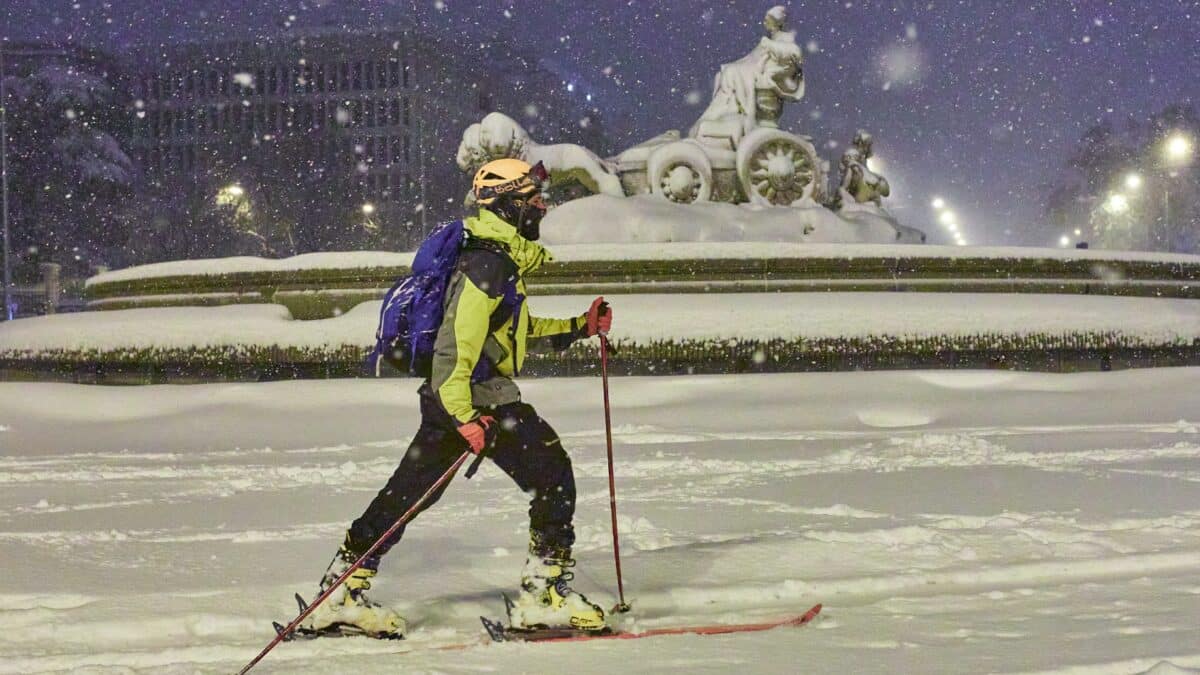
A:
{"x": 547, "y": 599}
{"x": 348, "y": 611}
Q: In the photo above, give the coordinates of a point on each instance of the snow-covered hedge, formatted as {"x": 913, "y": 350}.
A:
{"x": 655, "y": 333}
{"x": 1039, "y": 352}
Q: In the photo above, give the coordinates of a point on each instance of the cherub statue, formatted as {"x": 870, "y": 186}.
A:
{"x": 499, "y": 136}
{"x": 859, "y": 184}
{"x": 751, "y": 91}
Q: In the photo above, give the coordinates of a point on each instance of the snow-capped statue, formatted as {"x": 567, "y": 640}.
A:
{"x": 734, "y": 153}
{"x": 499, "y": 136}
{"x": 751, "y": 91}
{"x": 860, "y": 185}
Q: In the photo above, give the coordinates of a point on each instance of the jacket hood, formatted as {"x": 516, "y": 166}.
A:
{"x": 528, "y": 255}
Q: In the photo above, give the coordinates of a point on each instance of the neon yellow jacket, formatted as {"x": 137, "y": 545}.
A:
{"x": 469, "y": 331}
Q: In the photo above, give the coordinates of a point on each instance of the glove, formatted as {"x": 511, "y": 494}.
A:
{"x": 479, "y": 433}
{"x": 599, "y": 317}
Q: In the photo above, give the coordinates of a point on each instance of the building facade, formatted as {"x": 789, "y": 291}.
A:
{"x": 374, "y": 119}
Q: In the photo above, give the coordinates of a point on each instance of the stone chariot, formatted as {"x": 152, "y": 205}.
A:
{"x": 735, "y": 152}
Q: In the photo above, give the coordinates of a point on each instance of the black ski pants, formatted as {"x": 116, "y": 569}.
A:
{"x": 526, "y": 448}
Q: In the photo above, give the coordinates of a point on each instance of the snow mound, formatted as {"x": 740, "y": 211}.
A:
{"x": 650, "y": 219}
{"x": 1168, "y": 668}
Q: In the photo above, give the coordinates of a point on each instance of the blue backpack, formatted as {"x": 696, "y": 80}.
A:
{"x": 413, "y": 308}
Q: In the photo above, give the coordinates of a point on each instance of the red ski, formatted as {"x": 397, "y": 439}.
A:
{"x": 501, "y": 633}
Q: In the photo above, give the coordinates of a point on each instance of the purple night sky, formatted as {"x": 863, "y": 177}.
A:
{"x": 978, "y": 101}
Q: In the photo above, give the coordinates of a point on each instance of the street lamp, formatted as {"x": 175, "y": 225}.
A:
{"x": 368, "y": 209}
{"x": 1178, "y": 148}
{"x": 1133, "y": 181}
{"x": 1177, "y": 152}
{"x": 947, "y": 217}
{"x": 231, "y": 195}
{"x": 939, "y": 203}
{"x": 1117, "y": 203}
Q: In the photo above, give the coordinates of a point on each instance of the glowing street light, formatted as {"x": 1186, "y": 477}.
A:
{"x": 1133, "y": 181}
{"x": 233, "y": 196}
{"x": 1117, "y": 203}
{"x": 1064, "y": 241}
{"x": 368, "y": 209}
{"x": 1178, "y": 151}
{"x": 947, "y": 217}
{"x": 939, "y": 203}
{"x": 1078, "y": 232}
{"x": 1178, "y": 148}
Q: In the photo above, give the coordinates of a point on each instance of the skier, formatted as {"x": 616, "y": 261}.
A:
{"x": 471, "y": 401}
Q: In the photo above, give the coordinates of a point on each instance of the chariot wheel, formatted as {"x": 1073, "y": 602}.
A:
{"x": 777, "y": 168}
{"x": 680, "y": 172}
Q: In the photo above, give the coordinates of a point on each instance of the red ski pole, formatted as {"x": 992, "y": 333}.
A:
{"x": 622, "y": 606}
{"x": 408, "y": 515}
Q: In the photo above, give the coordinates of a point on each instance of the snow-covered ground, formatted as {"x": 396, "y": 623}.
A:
{"x": 950, "y": 522}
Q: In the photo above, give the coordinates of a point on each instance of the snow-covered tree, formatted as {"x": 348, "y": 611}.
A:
{"x": 67, "y": 171}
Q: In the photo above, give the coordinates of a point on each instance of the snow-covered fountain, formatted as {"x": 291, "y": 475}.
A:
{"x": 735, "y": 176}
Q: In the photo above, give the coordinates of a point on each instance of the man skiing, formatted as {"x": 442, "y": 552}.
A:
{"x": 470, "y": 401}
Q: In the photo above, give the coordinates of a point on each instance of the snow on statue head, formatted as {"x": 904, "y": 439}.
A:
{"x": 498, "y": 136}
{"x": 775, "y": 21}
{"x": 751, "y": 91}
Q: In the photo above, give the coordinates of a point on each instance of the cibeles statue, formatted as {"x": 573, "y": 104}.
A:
{"x": 859, "y": 184}
{"x": 751, "y": 91}
{"x": 734, "y": 153}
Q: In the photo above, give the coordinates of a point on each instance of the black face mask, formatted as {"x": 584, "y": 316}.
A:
{"x": 522, "y": 215}
{"x": 529, "y": 222}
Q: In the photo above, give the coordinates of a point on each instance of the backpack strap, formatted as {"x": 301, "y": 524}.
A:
{"x": 510, "y": 305}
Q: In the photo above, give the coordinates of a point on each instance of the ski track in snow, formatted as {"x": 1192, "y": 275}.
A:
{"x": 937, "y": 542}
